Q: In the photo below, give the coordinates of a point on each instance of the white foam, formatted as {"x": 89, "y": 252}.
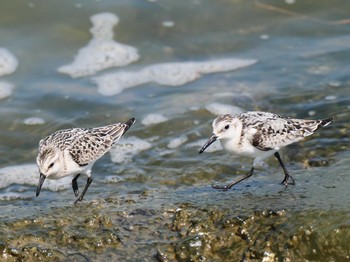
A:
{"x": 5, "y": 90}
{"x": 168, "y": 23}
{"x": 10, "y": 196}
{"x": 113, "y": 84}
{"x": 330, "y": 97}
{"x": 102, "y": 51}
{"x": 221, "y": 109}
{"x": 8, "y": 62}
{"x": 28, "y": 174}
{"x": 174, "y": 74}
{"x": 212, "y": 148}
{"x": 169, "y": 74}
{"x": 176, "y": 142}
{"x": 152, "y": 119}
{"x": 113, "y": 179}
{"x": 264, "y": 36}
{"x": 127, "y": 148}
{"x": 290, "y": 2}
{"x": 166, "y": 152}
{"x": 34, "y": 121}
{"x": 311, "y": 112}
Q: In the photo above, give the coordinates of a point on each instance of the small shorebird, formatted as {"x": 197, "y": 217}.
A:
{"x": 260, "y": 135}
{"x": 72, "y": 152}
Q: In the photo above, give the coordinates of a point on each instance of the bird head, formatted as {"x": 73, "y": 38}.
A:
{"x": 223, "y": 128}
{"x": 49, "y": 161}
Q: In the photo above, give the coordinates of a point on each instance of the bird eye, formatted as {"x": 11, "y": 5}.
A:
{"x": 51, "y": 165}
{"x": 227, "y": 126}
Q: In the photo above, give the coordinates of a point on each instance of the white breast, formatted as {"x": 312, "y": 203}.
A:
{"x": 241, "y": 145}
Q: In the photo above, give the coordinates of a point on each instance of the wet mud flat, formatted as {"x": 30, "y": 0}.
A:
{"x": 175, "y": 225}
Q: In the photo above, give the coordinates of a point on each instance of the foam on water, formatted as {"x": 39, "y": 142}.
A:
{"x": 10, "y": 196}
{"x": 112, "y": 84}
{"x": 127, "y": 148}
{"x": 152, "y": 119}
{"x": 102, "y": 51}
{"x": 5, "y": 90}
{"x": 8, "y": 62}
{"x": 221, "y": 109}
{"x": 169, "y": 74}
{"x": 168, "y": 23}
{"x": 176, "y": 142}
{"x": 28, "y": 174}
{"x": 34, "y": 121}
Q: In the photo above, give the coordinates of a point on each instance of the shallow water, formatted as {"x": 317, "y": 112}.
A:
{"x": 156, "y": 171}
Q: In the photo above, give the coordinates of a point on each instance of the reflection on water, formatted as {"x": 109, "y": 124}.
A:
{"x": 302, "y": 71}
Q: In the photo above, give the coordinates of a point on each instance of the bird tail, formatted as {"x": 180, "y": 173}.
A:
{"x": 308, "y": 127}
{"x": 116, "y": 131}
{"x": 324, "y": 122}
{"x": 128, "y": 124}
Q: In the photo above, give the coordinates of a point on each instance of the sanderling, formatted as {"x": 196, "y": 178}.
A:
{"x": 260, "y": 135}
{"x": 71, "y": 152}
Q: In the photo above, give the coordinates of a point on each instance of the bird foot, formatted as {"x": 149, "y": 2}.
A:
{"x": 223, "y": 188}
{"x": 286, "y": 183}
{"x": 78, "y": 200}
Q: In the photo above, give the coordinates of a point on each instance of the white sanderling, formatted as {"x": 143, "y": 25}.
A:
{"x": 260, "y": 135}
{"x": 71, "y": 152}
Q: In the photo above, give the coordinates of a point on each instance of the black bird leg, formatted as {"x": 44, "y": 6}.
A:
{"x": 287, "y": 176}
{"x": 88, "y": 182}
{"x": 228, "y": 186}
{"x": 75, "y": 185}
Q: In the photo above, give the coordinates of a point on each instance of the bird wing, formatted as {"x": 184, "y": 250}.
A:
{"x": 89, "y": 147}
{"x": 85, "y": 145}
{"x": 93, "y": 143}
{"x": 272, "y": 131}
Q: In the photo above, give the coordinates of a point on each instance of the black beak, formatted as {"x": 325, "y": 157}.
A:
{"x": 211, "y": 140}
{"x": 41, "y": 182}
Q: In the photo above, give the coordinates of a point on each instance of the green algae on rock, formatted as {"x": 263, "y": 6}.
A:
{"x": 155, "y": 226}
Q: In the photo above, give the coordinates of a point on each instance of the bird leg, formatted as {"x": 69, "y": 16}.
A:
{"x": 287, "y": 176}
{"x": 88, "y": 182}
{"x": 228, "y": 186}
{"x": 75, "y": 185}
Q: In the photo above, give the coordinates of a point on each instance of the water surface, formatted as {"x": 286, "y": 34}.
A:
{"x": 302, "y": 70}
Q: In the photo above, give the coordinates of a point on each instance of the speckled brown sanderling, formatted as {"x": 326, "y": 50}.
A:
{"x": 71, "y": 152}
{"x": 260, "y": 135}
